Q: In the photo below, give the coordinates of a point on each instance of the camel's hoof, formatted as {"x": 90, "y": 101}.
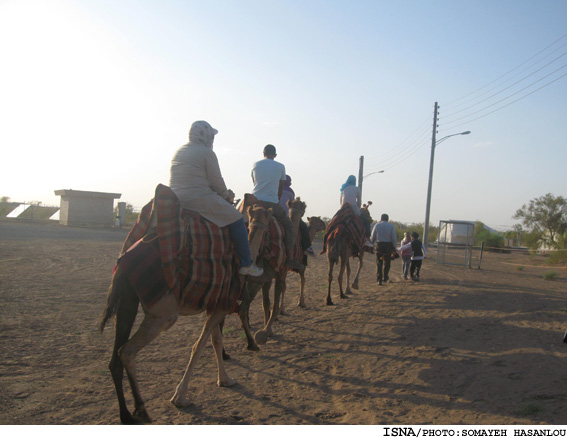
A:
{"x": 180, "y": 402}
{"x": 253, "y": 347}
{"x": 302, "y": 305}
{"x": 355, "y": 286}
{"x": 143, "y": 416}
{"x": 227, "y": 383}
{"x": 330, "y": 303}
{"x": 225, "y": 355}
{"x": 261, "y": 337}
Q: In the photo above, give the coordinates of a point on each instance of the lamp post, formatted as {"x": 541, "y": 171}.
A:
{"x": 428, "y": 205}
{"x": 362, "y": 178}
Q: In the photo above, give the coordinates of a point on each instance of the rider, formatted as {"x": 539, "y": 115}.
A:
{"x": 350, "y": 194}
{"x": 197, "y": 182}
{"x": 268, "y": 177}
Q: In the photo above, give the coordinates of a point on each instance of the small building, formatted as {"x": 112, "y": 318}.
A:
{"x": 81, "y": 208}
{"x": 456, "y": 232}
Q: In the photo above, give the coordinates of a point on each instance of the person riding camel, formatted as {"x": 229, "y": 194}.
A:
{"x": 196, "y": 180}
{"x": 269, "y": 177}
{"x": 350, "y": 194}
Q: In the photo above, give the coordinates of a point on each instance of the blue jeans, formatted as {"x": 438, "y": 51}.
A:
{"x": 239, "y": 236}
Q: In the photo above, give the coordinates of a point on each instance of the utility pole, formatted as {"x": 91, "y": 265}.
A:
{"x": 360, "y": 169}
{"x": 428, "y": 204}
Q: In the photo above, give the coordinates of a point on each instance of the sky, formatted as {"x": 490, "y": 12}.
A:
{"x": 98, "y": 96}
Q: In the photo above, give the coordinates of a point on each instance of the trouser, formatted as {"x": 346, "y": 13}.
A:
{"x": 280, "y": 214}
{"x": 239, "y": 236}
{"x": 305, "y": 238}
{"x": 384, "y": 252}
{"x": 415, "y": 268}
{"x": 406, "y": 262}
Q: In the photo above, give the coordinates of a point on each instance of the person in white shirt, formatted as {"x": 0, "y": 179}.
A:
{"x": 384, "y": 235}
{"x": 268, "y": 177}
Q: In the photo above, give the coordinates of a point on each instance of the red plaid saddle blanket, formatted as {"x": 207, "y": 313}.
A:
{"x": 346, "y": 221}
{"x": 171, "y": 250}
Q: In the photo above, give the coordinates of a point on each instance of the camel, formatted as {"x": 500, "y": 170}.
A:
{"x": 344, "y": 239}
{"x": 273, "y": 263}
{"x": 314, "y": 225}
{"x": 123, "y": 300}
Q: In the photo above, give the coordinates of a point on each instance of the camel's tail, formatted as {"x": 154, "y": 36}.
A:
{"x": 112, "y": 299}
{"x": 333, "y": 251}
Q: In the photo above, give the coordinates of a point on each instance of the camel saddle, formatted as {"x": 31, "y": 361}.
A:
{"x": 346, "y": 221}
{"x": 272, "y": 248}
{"x": 174, "y": 250}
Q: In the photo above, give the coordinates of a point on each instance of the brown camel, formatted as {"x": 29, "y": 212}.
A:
{"x": 344, "y": 239}
{"x": 314, "y": 225}
{"x": 272, "y": 259}
{"x": 123, "y": 300}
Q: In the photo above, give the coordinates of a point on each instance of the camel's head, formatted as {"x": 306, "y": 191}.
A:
{"x": 364, "y": 210}
{"x": 316, "y": 223}
{"x": 259, "y": 218}
{"x": 296, "y": 208}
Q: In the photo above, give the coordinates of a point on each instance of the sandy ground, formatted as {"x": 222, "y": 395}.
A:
{"x": 463, "y": 346}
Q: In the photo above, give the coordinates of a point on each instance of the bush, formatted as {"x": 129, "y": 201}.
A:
{"x": 550, "y": 276}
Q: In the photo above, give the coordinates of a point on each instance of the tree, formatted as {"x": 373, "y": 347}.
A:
{"x": 546, "y": 216}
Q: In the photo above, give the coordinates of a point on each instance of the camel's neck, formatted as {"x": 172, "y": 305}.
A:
{"x": 312, "y": 233}
{"x": 295, "y": 218}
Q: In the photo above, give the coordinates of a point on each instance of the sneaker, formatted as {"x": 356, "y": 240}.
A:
{"x": 309, "y": 251}
{"x": 252, "y": 270}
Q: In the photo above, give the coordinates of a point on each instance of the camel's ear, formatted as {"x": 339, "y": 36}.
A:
{"x": 308, "y": 219}
{"x": 249, "y": 209}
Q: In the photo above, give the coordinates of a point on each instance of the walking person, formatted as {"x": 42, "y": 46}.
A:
{"x": 384, "y": 238}
{"x": 406, "y": 256}
{"x": 418, "y": 253}
{"x": 196, "y": 180}
{"x": 269, "y": 178}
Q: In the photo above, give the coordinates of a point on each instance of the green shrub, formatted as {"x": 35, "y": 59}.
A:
{"x": 550, "y": 276}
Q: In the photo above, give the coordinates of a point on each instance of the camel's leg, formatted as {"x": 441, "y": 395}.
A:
{"x": 301, "y": 302}
{"x": 348, "y": 291}
{"x": 340, "y": 276}
{"x": 213, "y": 321}
{"x": 125, "y": 317}
{"x": 330, "y": 280}
{"x": 266, "y": 304}
{"x": 282, "y": 310}
{"x": 251, "y": 289}
{"x": 152, "y": 325}
{"x": 216, "y": 339}
{"x": 360, "y": 263}
{"x": 262, "y": 336}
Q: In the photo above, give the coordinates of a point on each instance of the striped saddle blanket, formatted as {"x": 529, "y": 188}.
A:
{"x": 346, "y": 221}
{"x": 171, "y": 250}
{"x": 272, "y": 248}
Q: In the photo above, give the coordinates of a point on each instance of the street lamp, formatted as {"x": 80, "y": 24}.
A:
{"x": 366, "y": 176}
{"x": 360, "y": 183}
{"x": 428, "y": 205}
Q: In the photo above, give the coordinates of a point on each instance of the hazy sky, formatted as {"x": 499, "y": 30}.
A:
{"x": 98, "y": 95}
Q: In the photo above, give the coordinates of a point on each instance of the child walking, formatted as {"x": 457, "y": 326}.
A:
{"x": 418, "y": 253}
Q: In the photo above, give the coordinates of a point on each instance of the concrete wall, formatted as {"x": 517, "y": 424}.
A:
{"x": 81, "y": 208}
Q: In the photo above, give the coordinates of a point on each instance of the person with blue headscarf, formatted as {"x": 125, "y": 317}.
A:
{"x": 350, "y": 194}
